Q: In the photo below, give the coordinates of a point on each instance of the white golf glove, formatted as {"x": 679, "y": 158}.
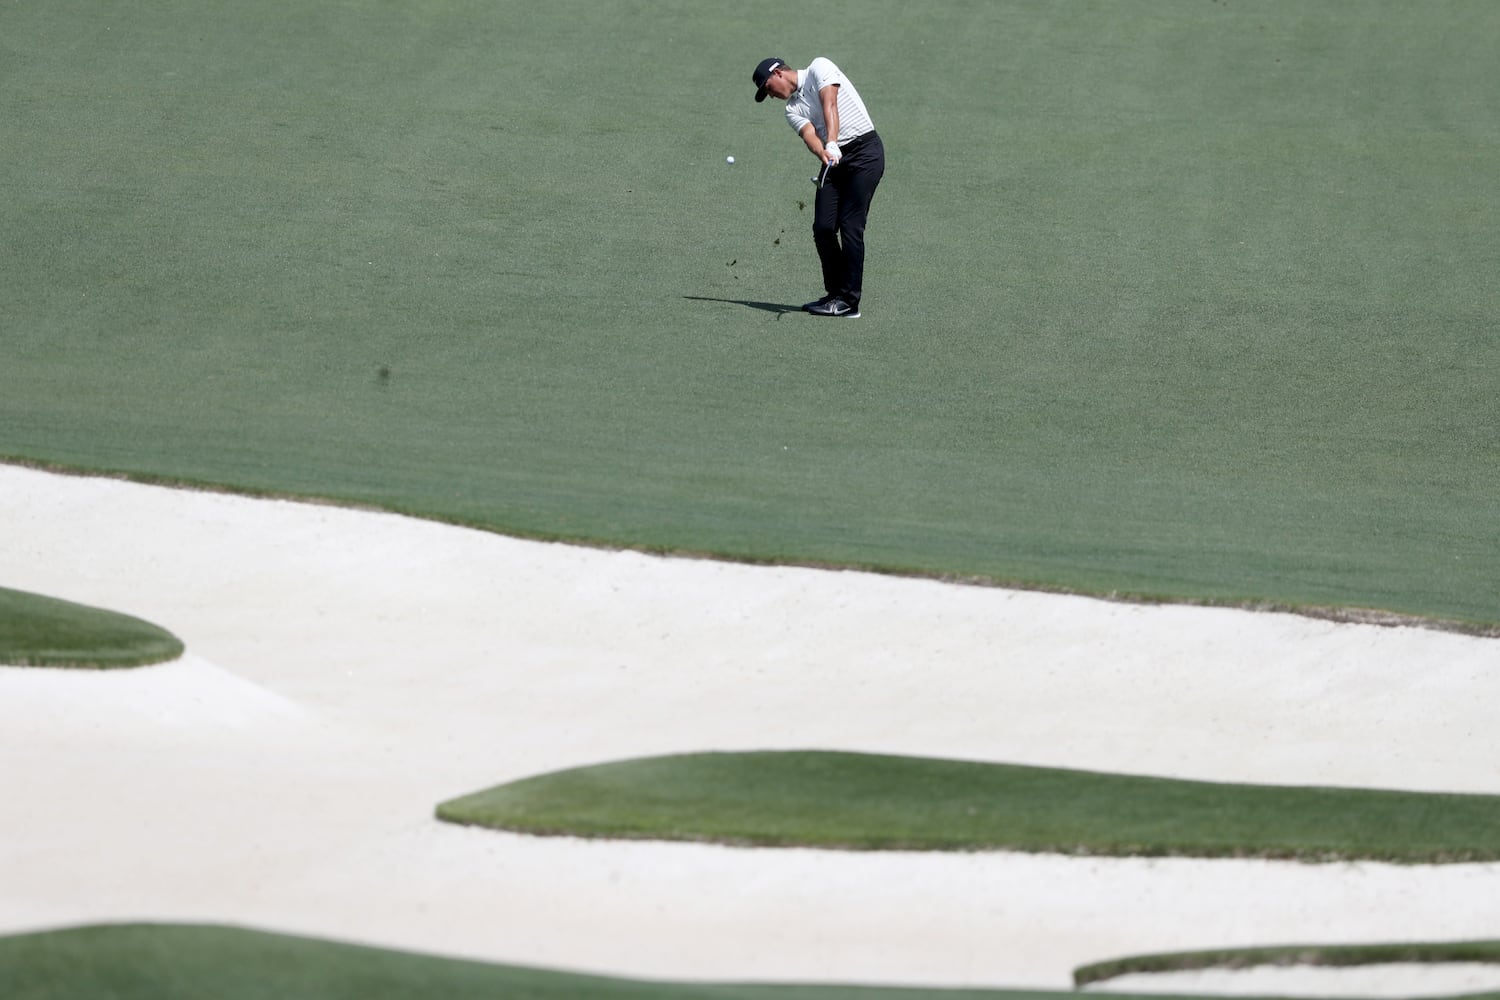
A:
{"x": 834, "y": 154}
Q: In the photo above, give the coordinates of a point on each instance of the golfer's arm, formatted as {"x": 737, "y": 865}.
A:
{"x": 814, "y": 144}
{"x": 829, "y": 95}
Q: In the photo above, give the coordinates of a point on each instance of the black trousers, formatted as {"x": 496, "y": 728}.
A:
{"x": 839, "y": 214}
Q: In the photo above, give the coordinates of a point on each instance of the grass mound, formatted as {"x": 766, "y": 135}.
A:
{"x": 37, "y": 631}
{"x": 1329, "y": 955}
{"x": 876, "y": 802}
{"x": 189, "y": 962}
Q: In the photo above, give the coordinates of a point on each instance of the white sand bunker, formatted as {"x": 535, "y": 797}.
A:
{"x": 1442, "y": 979}
{"x": 348, "y": 670}
{"x": 189, "y": 696}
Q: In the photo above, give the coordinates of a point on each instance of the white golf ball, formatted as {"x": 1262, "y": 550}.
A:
{"x": 728, "y": 159}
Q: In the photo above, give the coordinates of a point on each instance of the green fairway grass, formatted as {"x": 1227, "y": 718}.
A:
{"x": 1315, "y": 954}
{"x": 37, "y": 631}
{"x": 189, "y": 962}
{"x": 193, "y": 962}
{"x": 878, "y": 802}
{"x": 1184, "y": 300}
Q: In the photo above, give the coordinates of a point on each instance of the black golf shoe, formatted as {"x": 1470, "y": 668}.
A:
{"x": 834, "y": 307}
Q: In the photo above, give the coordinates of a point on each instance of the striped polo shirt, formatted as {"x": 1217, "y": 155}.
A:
{"x": 806, "y": 107}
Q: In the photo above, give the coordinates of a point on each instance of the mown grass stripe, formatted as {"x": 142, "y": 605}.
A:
{"x": 190, "y": 962}
{"x": 1285, "y": 955}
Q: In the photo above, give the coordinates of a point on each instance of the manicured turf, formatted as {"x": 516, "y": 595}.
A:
{"x": 37, "y": 631}
{"x": 1189, "y": 299}
{"x": 877, "y": 802}
{"x": 188, "y": 962}
{"x": 1330, "y": 955}
{"x": 185, "y": 962}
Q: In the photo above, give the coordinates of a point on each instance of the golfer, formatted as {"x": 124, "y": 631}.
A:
{"x": 823, "y": 107}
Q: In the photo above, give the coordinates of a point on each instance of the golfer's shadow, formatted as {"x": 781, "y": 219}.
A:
{"x": 772, "y": 307}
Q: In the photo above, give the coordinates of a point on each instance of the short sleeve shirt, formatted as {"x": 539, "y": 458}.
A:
{"x": 805, "y": 106}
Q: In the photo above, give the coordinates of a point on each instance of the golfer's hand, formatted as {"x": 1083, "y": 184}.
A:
{"x": 831, "y": 154}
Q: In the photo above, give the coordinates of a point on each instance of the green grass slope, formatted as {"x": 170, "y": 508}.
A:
{"x": 879, "y": 802}
{"x": 190, "y": 962}
{"x": 1188, "y": 300}
{"x": 1434, "y": 952}
{"x": 37, "y": 631}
